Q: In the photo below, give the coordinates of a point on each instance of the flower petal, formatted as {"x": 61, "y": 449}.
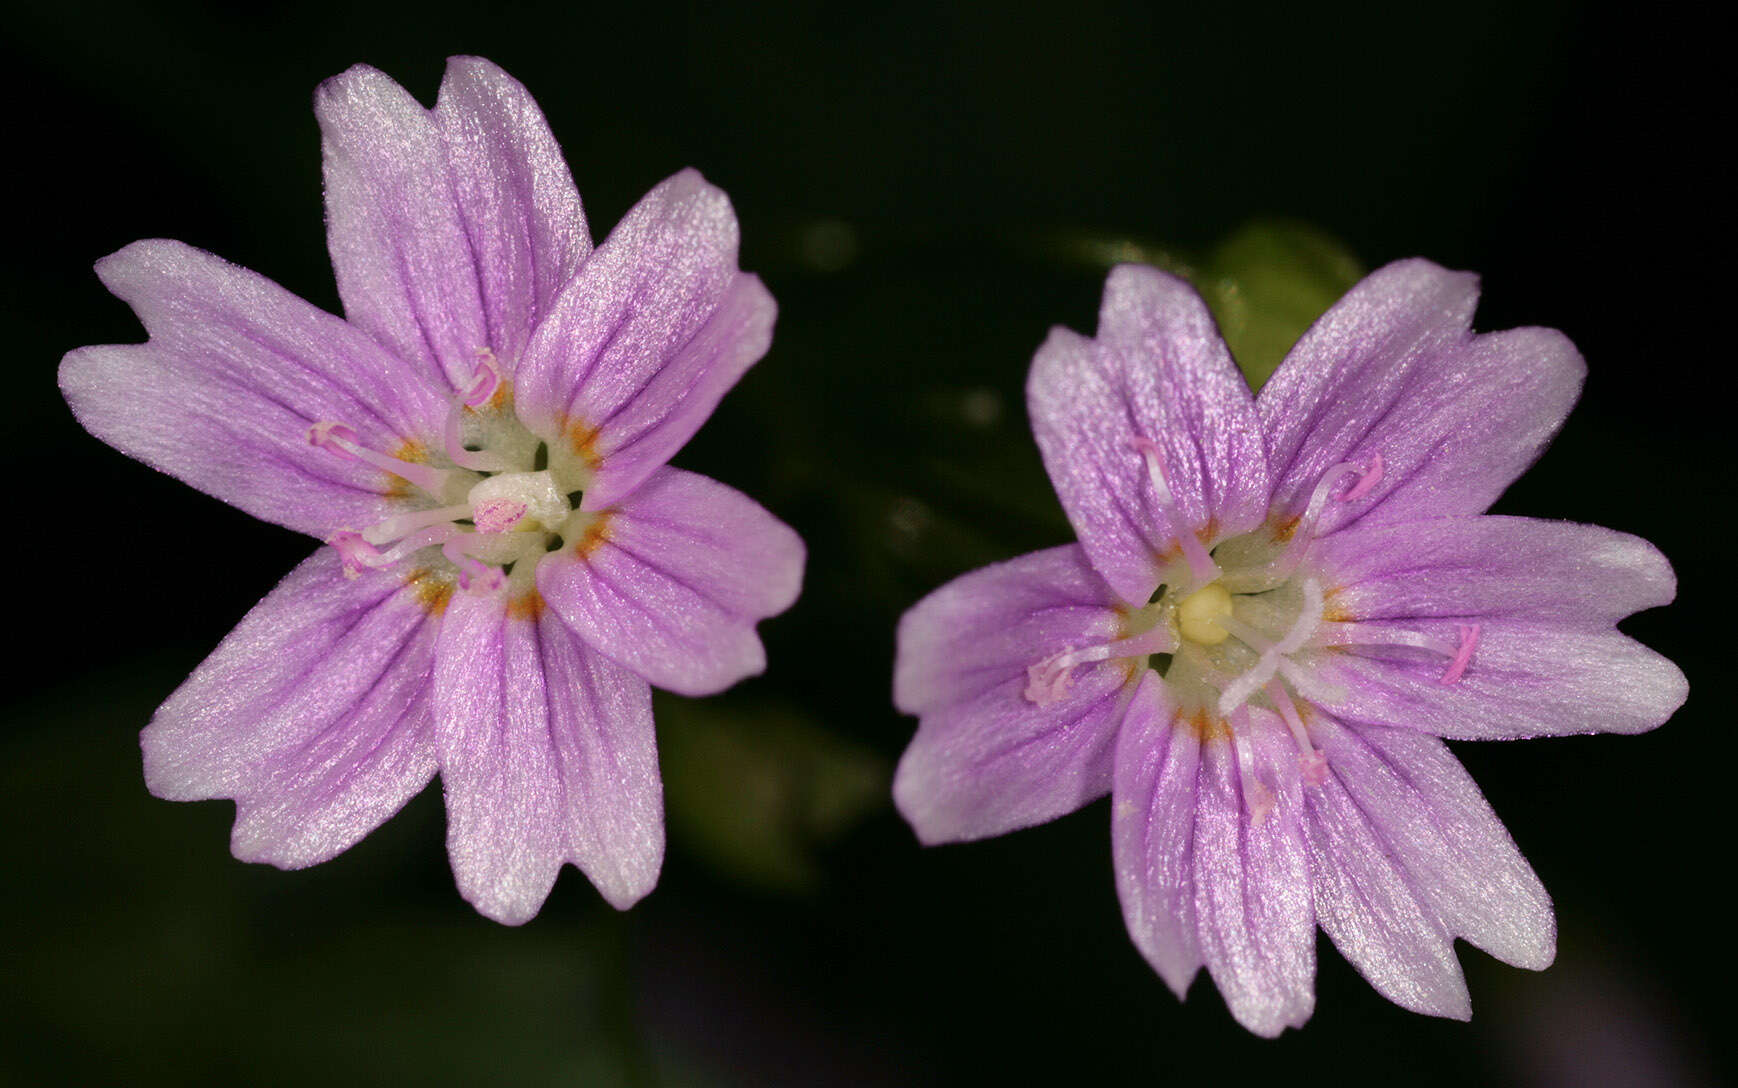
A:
{"x": 646, "y": 340}
{"x": 1526, "y": 679}
{"x": 236, "y": 371}
{"x": 520, "y": 210}
{"x": 312, "y": 714}
{"x": 547, "y": 755}
{"x": 1252, "y": 890}
{"x": 1393, "y": 369}
{"x": 1494, "y": 566}
{"x": 1157, "y": 371}
{"x": 983, "y": 629}
{"x": 674, "y": 581}
{"x": 1189, "y": 856}
{"x": 407, "y": 270}
{"x": 1440, "y": 830}
{"x": 1368, "y": 906}
{"x": 986, "y": 759}
{"x": 1153, "y": 801}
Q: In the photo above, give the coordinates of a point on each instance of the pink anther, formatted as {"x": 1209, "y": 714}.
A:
{"x": 1313, "y": 767}
{"x": 1370, "y": 478}
{"x": 358, "y": 555}
{"x": 479, "y": 577}
{"x": 497, "y": 515}
{"x": 1201, "y": 563}
{"x": 335, "y": 437}
{"x": 486, "y": 380}
{"x": 1469, "y": 640}
{"x": 1047, "y": 682}
{"x": 343, "y": 441}
{"x": 1148, "y": 448}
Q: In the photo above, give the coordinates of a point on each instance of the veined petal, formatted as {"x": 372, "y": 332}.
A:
{"x": 1202, "y": 880}
{"x": 520, "y": 211}
{"x": 984, "y": 628}
{"x": 236, "y": 371}
{"x": 1157, "y": 372}
{"x": 647, "y": 338}
{"x": 1436, "y": 825}
{"x": 1152, "y": 818}
{"x": 547, "y": 755}
{"x": 312, "y": 715}
{"x": 672, "y": 582}
{"x": 1252, "y": 883}
{"x": 1475, "y": 567}
{"x": 1394, "y": 369}
{"x": 1379, "y": 920}
{"x": 407, "y": 271}
{"x": 986, "y": 759}
{"x": 1526, "y": 678}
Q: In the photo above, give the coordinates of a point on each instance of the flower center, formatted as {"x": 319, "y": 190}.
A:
{"x": 1249, "y": 626}
{"x": 484, "y": 511}
{"x": 1199, "y": 613}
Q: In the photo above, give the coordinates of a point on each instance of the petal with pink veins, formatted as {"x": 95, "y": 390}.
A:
{"x": 1439, "y": 830}
{"x": 675, "y": 581}
{"x": 1157, "y": 373}
{"x": 1394, "y": 370}
{"x": 547, "y": 756}
{"x": 407, "y": 269}
{"x": 1523, "y": 678}
{"x": 236, "y": 372}
{"x": 313, "y": 715}
{"x": 987, "y": 758}
{"x": 645, "y": 341}
{"x": 520, "y": 212}
{"x": 1481, "y": 567}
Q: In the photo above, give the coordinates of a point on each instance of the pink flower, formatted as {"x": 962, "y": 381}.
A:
{"x": 1276, "y": 608}
{"x": 482, "y": 443}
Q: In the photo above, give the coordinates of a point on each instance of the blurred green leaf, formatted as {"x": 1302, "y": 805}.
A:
{"x": 1267, "y": 282}
{"x": 755, "y": 791}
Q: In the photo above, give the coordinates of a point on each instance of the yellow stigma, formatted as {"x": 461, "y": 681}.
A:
{"x": 1199, "y": 613}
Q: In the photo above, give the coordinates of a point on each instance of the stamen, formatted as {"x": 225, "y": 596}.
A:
{"x": 1312, "y": 762}
{"x": 482, "y": 387}
{"x": 343, "y": 441}
{"x": 1310, "y": 684}
{"x": 1305, "y": 530}
{"x": 1469, "y": 640}
{"x": 1368, "y": 634}
{"x": 1372, "y": 477}
{"x": 1201, "y": 563}
{"x": 359, "y": 555}
{"x": 1258, "y": 800}
{"x": 1048, "y": 681}
{"x": 486, "y": 380}
{"x": 392, "y": 528}
{"x": 475, "y": 576}
{"x": 356, "y": 553}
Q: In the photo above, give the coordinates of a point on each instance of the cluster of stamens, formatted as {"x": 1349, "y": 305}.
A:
{"x": 485, "y": 510}
{"x": 1242, "y": 623}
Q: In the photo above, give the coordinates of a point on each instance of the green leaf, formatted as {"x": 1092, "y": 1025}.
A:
{"x": 1267, "y": 282}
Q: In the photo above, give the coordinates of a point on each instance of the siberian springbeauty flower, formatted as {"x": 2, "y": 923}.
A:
{"x": 507, "y": 561}
{"x": 1277, "y": 607}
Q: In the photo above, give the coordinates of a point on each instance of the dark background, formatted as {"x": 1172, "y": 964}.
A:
{"x": 924, "y": 190}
